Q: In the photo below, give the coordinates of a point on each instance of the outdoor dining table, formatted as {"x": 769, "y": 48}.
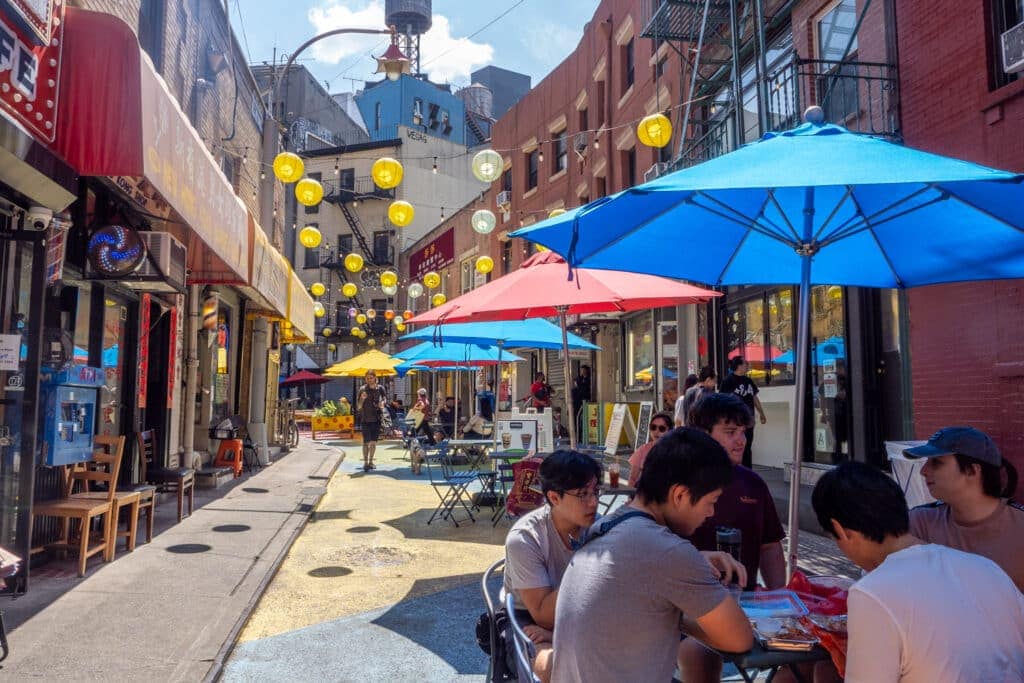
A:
{"x": 759, "y": 660}
{"x": 474, "y": 449}
{"x": 606, "y": 490}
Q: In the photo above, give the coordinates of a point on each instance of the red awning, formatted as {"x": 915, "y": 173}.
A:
{"x": 117, "y": 118}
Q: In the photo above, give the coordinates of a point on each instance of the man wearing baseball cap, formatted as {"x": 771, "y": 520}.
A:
{"x": 974, "y": 513}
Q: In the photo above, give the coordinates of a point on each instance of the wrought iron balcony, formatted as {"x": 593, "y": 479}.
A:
{"x": 360, "y": 188}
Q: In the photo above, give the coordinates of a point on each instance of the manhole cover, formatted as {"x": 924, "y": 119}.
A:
{"x": 189, "y": 548}
{"x": 372, "y": 556}
{"x": 232, "y": 528}
{"x": 362, "y": 529}
{"x": 329, "y": 572}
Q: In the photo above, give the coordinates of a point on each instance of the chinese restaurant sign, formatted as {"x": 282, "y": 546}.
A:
{"x": 437, "y": 254}
{"x": 31, "y": 41}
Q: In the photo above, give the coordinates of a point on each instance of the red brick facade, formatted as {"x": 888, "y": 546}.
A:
{"x": 967, "y": 340}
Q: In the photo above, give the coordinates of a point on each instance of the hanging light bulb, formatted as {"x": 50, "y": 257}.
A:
{"x": 371, "y": 342}
{"x": 487, "y": 165}
{"x": 361, "y": 318}
{"x": 349, "y": 289}
{"x": 318, "y": 309}
{"x": 263, "y": 174}
{"x": 332, "y": 347}
{"x": 390, "y": 290}
{"x": 540, "y": 156}
{"x": 484, "y": 265}
{"x": 387, "y": 173}
{"x": 432, "y": 280}
{"x": 337, "y": 170}
{"x": 309, "y": 192}
{"x": 438, "y": 299}
{"x": 354, "y": 263}
{"x": 401, "y": 213}
{"x": 483, "y": 221}
{"x": 310, "y": 237}
{"x": 434, "y": 169}
{"x": 654, "y": 130}
{"x": 317, "y": 289}
{"x": 354, "y": 331}
{"x": 288, "y": 167}
{"x": 834, "y": 292}
{"x": 415, "y": 290}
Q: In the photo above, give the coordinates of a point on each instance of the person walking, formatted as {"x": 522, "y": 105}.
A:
{"x": 740, "y": 384}
{"x": 422, "y": 405}
{"x": 370, "y": 404}
{"x": 581, "y": 393}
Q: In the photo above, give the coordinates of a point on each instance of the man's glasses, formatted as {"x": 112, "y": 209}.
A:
{"x": 588, "y": 495}
{"x": 658, "y": 428}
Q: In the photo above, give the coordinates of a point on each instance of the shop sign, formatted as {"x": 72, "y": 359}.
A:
{"x": 31, "y": 42}
{"x": 437, "y": 254}
{"x": 10, "y": 349}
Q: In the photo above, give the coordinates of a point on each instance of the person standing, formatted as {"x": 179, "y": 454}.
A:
{"x": 485, "y": 401}
{"x": 707, "y": 380}
{"x": 423, "y": 406}
{"x": 740, "y": 384}
{"x": 677, "y": 410}
{"x": 541, "y": 392}
{"x": 370, "y": 404}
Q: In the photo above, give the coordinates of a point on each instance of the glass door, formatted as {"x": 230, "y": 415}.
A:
{"x": 668, "y": 378}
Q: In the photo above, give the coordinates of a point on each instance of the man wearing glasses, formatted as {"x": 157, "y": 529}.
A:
{"x": 539, "y": 545}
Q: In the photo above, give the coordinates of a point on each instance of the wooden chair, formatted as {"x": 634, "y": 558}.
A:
{"x": 180, "y": 479}
{"x": 84, "y": 510}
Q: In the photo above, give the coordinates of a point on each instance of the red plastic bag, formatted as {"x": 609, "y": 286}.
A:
{"x": 525, "y": 494}
{"x": 818, "y": 598}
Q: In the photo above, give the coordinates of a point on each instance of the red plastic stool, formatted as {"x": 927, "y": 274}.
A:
{"x": 230, "y": 455}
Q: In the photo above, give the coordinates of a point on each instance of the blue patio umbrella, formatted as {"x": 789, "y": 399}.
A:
{"x": 812, "y": 205}
{"x": 457, "y": 353}
{"x": 833, "y": 348}
{"x": 532, "y": 333}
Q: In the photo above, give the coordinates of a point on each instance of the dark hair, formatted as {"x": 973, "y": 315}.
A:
{"x": 691, "y": 380}
{"x": 537, "y": 376}
{"x": 714, "y": 408}
{"x": 565, "y": 470}
{"x": 861, "y": 498}
{"x": 735, "y": 362}
{"x": 707, "y": 372}
{"x": 669, "y": 419}
{"x": 686, "y": 457}
{"x": 992, "y": 483}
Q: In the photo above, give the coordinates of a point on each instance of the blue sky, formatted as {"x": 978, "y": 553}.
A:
{"x": 532, "y": 38}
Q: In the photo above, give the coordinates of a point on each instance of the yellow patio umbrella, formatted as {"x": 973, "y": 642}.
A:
{"x": 357, "y": 366}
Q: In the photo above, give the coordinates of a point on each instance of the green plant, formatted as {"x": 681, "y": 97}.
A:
{"x": 326, "y": 409}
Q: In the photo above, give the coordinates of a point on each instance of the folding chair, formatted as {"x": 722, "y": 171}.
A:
{"x": 503, "y": 478}
{"x": 525, "y": 651}
{"x": 451, "y": 486}
{"x": 498, "y": 670}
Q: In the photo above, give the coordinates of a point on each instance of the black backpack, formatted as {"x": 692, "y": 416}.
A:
{"x": 504, "y": 665}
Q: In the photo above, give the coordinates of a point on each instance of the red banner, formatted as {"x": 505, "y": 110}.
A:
{"x": 435, "y": 255}
{"x": 143, "y": 376}
{"x": 171, "y": 355}
{"x": 31, "y": 44}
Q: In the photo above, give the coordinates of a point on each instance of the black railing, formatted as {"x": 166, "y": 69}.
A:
{"x": 361, "y": 188}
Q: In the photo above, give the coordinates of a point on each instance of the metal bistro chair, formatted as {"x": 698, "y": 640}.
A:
{"x": 498, "y": 670}
{"x": 525, "y": 651}
{"x": 181, "y": 480}
{"x": 504, "y": 478}
{"x": 450, "y": 485}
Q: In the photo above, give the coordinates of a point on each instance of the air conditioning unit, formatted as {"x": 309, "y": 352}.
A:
{"x": 504, "y": 199}
{"x": 654, "y": 171}
{"x": 164, "y": 267}
{"x": 579, "y": 141}
{"x": 1013, "y": 49}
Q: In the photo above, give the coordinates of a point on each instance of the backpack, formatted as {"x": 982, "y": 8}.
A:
{"x": 504, "y": 665}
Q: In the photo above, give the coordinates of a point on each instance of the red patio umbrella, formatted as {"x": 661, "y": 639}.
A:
{"x": 542, "y": 288}
{"x": 304, "y": 377}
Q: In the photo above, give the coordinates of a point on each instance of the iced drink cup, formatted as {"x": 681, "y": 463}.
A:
{"x": 613, "y": 475}
{"x": 526, "y": 439}
{"x": 506, "y": 440}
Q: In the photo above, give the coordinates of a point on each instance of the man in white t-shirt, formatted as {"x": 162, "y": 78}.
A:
{"x": 539, "y": 545}
{"x": 924, "y": 613}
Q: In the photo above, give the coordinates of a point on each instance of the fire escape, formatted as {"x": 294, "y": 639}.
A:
{"x": 741, "y": 76}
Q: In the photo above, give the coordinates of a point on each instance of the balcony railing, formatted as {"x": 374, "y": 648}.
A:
{"x": 362, "y": 188}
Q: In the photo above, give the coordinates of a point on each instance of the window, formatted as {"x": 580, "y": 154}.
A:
{"x": 381, "y": 251}
{"x": 659, "y": 68}
{"x": 639, "y": 341}
{"x": 311, "y": 258}
{"x": 417, "y": 110}
{"x": 344, "y": 245}
{"x": 837, "y": 42}
{"x": 601, "y": 187}
{"x": 629, "y": 167}
{"x": 532, "y": 163}
{"x": 378, "y": 117}
{"x": 560, "y": 152}
{"x": 1004, "y": 15}
{"x": 506, "y": 257}
{"x": 628, "y": 65}
{"x": 230, "y": 165}
{"x": 759, "y": 326}
{"x": 379, "y": 324}
{"x": 467, "y": 274}
{"x": 506, "y": 181}
{"x": 151, "y": 30}
{"x": 584, "y": 119}
{"x": 341, "y": 314}
{"x": 347, "y": 179}
{"x": 313, "y": 209}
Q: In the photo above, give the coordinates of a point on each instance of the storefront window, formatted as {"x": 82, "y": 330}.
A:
{"x": 221, "y": 376}
{"x": 759, "y": 327}
{"x": 115, "y": 319}
{"x": 640, "y": 351}
{"x": 829, "y": 374}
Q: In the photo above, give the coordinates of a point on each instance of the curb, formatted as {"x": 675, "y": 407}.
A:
{"x": 217, "y": 668}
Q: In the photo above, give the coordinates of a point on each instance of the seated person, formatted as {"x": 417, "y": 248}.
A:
{"x": 923, "y": 612}
{"x": 965, "y": 471}
{"x": 636, "y": 584}
{"x": 746, "y": 504}
{"x": 446, "y": 417}
{"x": 476, "y": 428}
{"x": 539, "y": 545}
{"x": 661, "y": 424}
{"x": 485, "y": 401}
{"x": 557, "y": 427}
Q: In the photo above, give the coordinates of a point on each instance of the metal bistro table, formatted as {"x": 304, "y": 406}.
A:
{"x": 606, "y": 490}
{"x": 758, "y": 659}
{"x": 475, "y": 450}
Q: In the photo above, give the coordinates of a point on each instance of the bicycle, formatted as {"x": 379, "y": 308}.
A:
{"x": 286, "y": 416}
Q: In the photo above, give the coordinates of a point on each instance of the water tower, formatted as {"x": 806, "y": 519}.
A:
{"x": 412, "y": 18}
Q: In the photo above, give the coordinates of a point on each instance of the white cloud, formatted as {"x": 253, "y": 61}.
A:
{"x": 444, "y": 57}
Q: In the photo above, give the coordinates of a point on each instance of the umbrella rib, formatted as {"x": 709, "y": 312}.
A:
{"x": 944, "y": 189}
{"x": 572, "y": 260}
{"x": 778, "y": 207}
{"x": 869, "y": 224}
{"x": 878, "y": 243}
{"x": 835, "y": 210}
{"x": 748, "y": 223}
{"x": 732, "y": 257}
{"x": 848, "y": 228}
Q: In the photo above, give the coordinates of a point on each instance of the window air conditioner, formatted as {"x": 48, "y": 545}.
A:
{"x": 579, "y": 141}
{"x": 504, "y": 199}
{"x": 164, "y": 268}
{"x": 1013, "y": 49}
{"x": 655, "y": 171}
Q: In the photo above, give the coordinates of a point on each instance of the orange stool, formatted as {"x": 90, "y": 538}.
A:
{"x": 230, "y": 455}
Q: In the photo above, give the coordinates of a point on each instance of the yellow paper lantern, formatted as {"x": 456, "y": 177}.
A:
{"x": 438, "y": 299}
{"x": 288, "y": 167}
{"x": 361, "y": 318}
{"x": 407, "y": 315}
{"x": 484, "y": 265}
{"x": 353, "y": 263}
{"x": 541, "y": 247}
{"x": 309, "y": 192}
{"x": 349, "y": 289}
{"x": 371, "y": 313}
{"x": 654, "y": 130}
{"x": 556, "y": 212}
{"x": 319, "y": 310}
{"x": 387, "y": 173}
{"x": 834, "y": 292}
{"x": 389, "y": 314}
{"x": 310, "y": 237}
{"x": 400, "y": 327}
{"x": 327, "y": 332}
{"x": 355, "y": 331}
{"x": 487, "y": 166}
{"x": 317, "y": 289}
{"x": 371, "y": 342}
{"x": 388, "y": 278}
{"x": 401, "y": 213}
{"x": 432, "y": 280}
{"x": 332, "y": 347}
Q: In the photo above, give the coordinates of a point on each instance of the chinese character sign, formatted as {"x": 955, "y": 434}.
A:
{"x": 437, "y": 254}
{"x": 31, "y": 40}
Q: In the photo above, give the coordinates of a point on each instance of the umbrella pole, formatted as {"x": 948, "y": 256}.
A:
{"x": 497, "y": 400}
{"x": 568, "y": 378}
{"x": 802, "y": 343}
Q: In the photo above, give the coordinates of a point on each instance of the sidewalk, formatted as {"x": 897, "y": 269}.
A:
{"x": 168, "y": 610}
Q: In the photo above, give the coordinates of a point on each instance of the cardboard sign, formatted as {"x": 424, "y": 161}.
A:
{"x": 517, "y": 434}
{"x": 643, "y": 423}
{"x": 10, "y": 350}
{"x": 611, "y": 440}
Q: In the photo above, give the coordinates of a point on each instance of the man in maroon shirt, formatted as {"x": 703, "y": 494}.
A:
{"x": 745, "y": 504}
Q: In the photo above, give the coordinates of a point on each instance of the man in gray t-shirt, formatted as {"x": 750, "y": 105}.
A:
{"x": 636, "y": 584}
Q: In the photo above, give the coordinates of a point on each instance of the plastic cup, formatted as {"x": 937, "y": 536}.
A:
{"x": 506, "y": 440}
{"x": 526, "y": 439}
{"x": 613, "y": 475}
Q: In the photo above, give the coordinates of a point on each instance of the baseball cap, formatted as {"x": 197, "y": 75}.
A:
{"x": 967, "y": 441}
